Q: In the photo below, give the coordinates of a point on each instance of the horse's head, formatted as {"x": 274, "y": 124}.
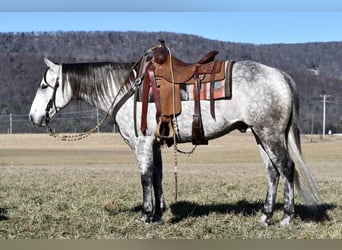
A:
{"x": 50, "y": 96}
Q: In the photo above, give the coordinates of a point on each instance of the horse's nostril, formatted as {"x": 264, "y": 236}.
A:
{"x": 32, "y": 120}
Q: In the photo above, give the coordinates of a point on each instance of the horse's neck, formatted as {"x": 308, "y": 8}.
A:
{"x": 103, "y": 105}
{"x": 104, "y": 102}
{"x": 102, "y": 91}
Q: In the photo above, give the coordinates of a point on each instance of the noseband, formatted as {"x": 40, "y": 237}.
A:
{"x": 52, "y": 102}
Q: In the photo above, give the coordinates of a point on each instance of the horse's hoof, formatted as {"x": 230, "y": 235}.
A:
{"x": 158, "y": 220}
{"x": 144, "y": 220}
{"x": 285, "y": 223}
{"x": 263, "y": 220}
{"x": 140, "y": 221}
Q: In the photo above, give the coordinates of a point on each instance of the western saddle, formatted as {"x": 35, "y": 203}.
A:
{"x": 164, "y": 75}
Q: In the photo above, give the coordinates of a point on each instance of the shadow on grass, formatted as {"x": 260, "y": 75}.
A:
{"x": 3, "y": 214}
{"x": 112, "y": 210}
{"x": 316, "y": 214}
{"x": 184, "y": 209}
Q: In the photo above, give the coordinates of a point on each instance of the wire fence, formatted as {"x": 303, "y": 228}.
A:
{"x": 83, "y": 118}
{"x": 64, "y": 122}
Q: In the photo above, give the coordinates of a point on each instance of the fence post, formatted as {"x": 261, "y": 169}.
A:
{"x": 11, "y": 121}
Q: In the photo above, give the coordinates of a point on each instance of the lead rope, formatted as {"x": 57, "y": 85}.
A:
{"x": 175, "y": 128}
{"x": 174, "y": 123}
{"x": 84, "y": 135}
{"x": 79, "y": 136}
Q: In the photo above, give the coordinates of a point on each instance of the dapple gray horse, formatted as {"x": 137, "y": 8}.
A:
{"x": 264, "y": 99}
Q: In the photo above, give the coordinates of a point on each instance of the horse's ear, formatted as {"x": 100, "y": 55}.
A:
{"x": 50, "y": 64}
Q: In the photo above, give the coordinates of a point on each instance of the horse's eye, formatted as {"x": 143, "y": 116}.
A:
{"x": 44, "y": 86}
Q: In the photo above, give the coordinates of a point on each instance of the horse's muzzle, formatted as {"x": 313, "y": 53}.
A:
{"x": 37, "y": 121}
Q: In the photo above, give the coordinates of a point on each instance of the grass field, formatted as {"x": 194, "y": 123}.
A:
{"x": 91, "y": 189}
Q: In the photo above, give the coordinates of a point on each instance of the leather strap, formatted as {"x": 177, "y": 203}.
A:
{"x": 212, "y": 83}
{"x": 197, "y": 127}
{"x": 144, "y": 105}
{"x": 136, "y": 97}
{"x": 149, "y": 81}
{"x": 197, "y": 108}
{"x": 229, "y": 78}
{"x": 155, "y": 91}
{"x": 123, "y": 100}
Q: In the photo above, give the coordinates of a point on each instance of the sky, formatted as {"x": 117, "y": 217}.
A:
{"x": 258, "y": 22}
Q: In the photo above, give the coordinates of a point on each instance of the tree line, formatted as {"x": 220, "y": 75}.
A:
{"x": 316, "y": 67}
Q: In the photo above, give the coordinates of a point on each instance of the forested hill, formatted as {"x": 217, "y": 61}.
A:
{"x": 316, "y": 67}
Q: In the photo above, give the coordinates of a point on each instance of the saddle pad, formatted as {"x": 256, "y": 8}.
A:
{"x": 218, "y": 93}
{"x": 221, "y": 90}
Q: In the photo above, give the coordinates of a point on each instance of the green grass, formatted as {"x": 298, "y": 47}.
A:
{"x": 96, "y": 193}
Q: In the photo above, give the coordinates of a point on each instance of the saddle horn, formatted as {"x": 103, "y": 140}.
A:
{"x": 160, "y": 53}
{"x": 162, "y": 43}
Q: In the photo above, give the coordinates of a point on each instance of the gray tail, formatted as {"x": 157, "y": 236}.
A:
{"x": 305, "y": 182}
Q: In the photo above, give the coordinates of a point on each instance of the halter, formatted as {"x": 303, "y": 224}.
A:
{"x": 52, "y": 102}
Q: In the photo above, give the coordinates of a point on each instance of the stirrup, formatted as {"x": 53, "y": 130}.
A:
{"x": 160, "y": 130}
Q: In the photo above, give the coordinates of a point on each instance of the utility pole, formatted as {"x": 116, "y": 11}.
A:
{"x": 324, "y": 96}
{"x": 97, "y": 120}
{"x": 312, "y": 123}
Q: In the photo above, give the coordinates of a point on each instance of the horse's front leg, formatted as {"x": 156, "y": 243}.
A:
{"x": 147, "y": 208}
{"x": 144, "y": 155}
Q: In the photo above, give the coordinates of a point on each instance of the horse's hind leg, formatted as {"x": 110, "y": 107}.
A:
{"x": 273, "y": 181}
{"x": 278, "y": 162}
